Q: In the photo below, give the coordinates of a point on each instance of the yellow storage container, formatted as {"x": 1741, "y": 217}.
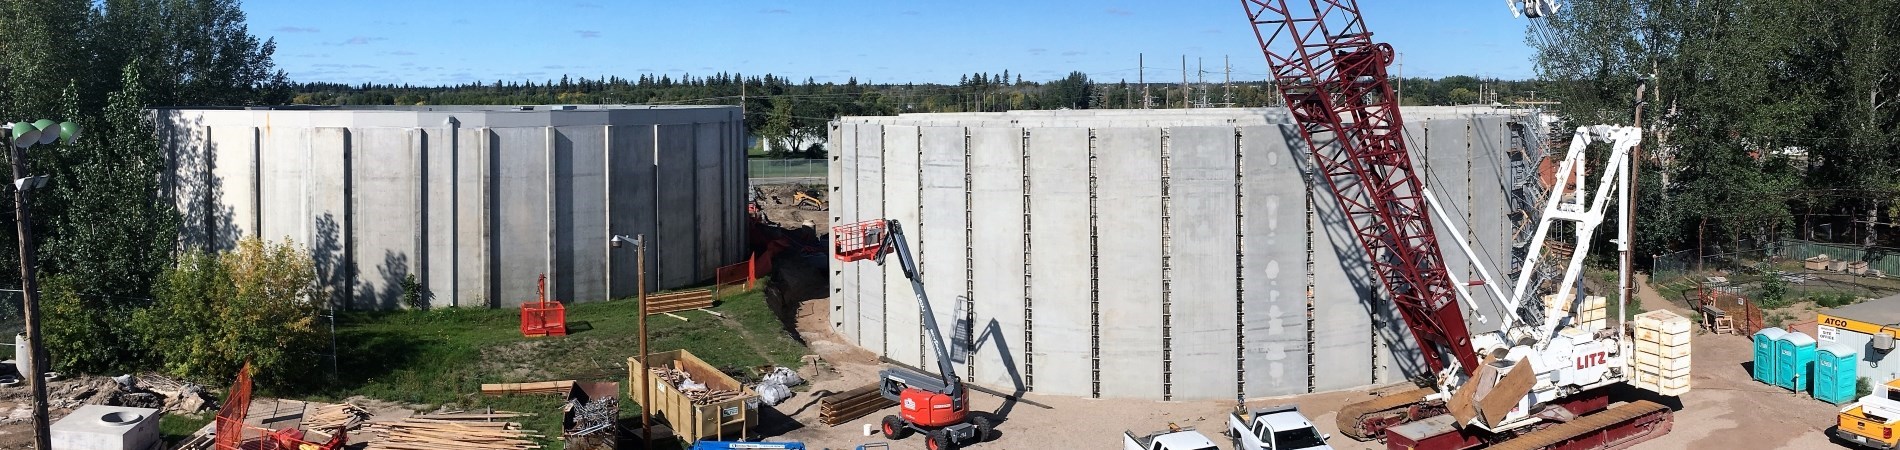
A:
{"x": 727, "y": 420}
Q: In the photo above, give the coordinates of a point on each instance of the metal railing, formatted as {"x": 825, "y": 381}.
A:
{"x": 785, "y": 168}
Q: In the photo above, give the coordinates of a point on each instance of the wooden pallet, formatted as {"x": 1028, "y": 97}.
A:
{"x": 836, "y": 409}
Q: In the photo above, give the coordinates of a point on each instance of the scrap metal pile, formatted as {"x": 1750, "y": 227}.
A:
{"x": 697, "y": 392}
{"x": 591, "y": 417}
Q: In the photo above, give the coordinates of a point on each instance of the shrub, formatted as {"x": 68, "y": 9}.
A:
{"x": 1774, "y": 292}
{"x": 1862, "y": 388}
{"x": 78, "y": 330}
{"x": 214, "y": 312}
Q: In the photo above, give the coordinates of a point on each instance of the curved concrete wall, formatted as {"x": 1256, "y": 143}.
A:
{"x": 1166, "y": 254}
{"x": 476, "y": 202}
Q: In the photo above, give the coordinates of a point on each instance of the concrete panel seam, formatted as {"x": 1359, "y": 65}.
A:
{"x": 1029, "y": 316}
{"x": 968, "y": 302}
{"x": 1167, "y": 255}
{"x": 256, "y": 182}
{"x": 1240, "y": 271}
{"x": 548, "y": 265}
{"x": 1312, "y": 309}
{"x": 1095, "y": 275}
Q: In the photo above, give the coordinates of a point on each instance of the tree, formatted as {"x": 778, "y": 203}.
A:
{"x": 1462, "y": 96}
{"x": 778, "y": 131}
{"x": 214, "y": 312}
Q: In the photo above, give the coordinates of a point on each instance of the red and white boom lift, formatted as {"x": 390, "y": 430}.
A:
{"x": 1539, "y": 381}
{"x": 937, "y": 405}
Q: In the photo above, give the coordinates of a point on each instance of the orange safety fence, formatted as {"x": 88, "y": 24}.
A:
{"x": 742, "y": 276}
{"x": 234, "y": 434}
{"x": 1743, "y": 311}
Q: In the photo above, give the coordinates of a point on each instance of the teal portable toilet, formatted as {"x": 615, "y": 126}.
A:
{"x": 1794, "y": 357}
{"x": 1765, "y": 353}
{"x": 1834, "y": 373}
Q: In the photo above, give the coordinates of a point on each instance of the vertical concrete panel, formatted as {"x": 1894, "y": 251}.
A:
{"x": 472, "y": 249}
{"x": 328, "y": 204}
{"x": 1060, "y": 341}
{"x": 1128, "y": 165}
{"x": 708, "y": 194}
{"x": 1273, "y": 244}
{"x": 631, "y": 200}
{"x": 834, "y": 277}
{"x": 1201, "y": 262}
{"x": 285, "y": 183}
{"x": 897, "y": 337}
{"x": 1345, "y": 293}
{"x": 1451, "y": 161}
{"x": 940, "y": 235}
{"x": 674, "y": 258}
{"x": 844, "y": 211}
{"x": 870, "y": 206}
{"x": 580, "y": 206}
{"x": 232, "y": 184}
{"x": 385, "y": 208}
{"x": 521, "y": 212}
{"x": 1490, "y": 194}
{"x": 996, "y": 207}
{"x": 439, "y": 218}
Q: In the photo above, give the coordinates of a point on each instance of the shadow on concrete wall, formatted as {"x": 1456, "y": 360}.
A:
{"x": 993, "y": 334}
{"x": 1386, "y": 323}
{"x": 326, "y": 253}
{"x": 206, "y": 222}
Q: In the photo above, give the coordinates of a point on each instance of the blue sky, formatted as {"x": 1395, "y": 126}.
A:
{"x": 431, "y": 42}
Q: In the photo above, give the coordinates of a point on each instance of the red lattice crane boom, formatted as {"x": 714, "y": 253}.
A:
{"x": 1333, "y": 77}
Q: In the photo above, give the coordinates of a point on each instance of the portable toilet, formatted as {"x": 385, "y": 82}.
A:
{"x": 1794, "y": 357}
{"x": 1765, "y": 353}
{"x": 1834, "y": 373}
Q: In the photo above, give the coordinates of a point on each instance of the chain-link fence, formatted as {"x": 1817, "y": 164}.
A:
{"x": 785, "y": 168}
{"x": 1795, "y": 267}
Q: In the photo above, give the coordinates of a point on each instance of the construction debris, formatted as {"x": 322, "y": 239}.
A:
{"x": 426, "y": 433}
{"x": 695, "y": 391}
{"x": 849, "y": 405}
{"x": 544, "y": 387}
{"x": 333, "y": 418}
{"x": 590, "y": 417}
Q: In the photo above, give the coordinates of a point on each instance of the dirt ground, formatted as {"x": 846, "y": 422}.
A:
{"x": 1725, "y": 410}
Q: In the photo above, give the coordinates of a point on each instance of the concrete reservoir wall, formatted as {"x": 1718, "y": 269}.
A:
{"x": 475, "y": 202}
{"x": 1179, "y": 254}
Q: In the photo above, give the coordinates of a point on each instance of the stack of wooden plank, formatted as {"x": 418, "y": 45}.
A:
{"x": 454, "y": 432}
{"x": 679, "y": 301}
{"x": 541, "y": 387}
{"x": 329, "y": 419}
{"x": 836, "y": 409}
{"x": 699, "y": 393}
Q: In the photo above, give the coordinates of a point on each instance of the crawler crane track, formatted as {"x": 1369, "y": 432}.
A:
{"x": 1368, "y": 420}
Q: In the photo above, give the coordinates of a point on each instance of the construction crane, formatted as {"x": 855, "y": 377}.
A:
{"x": 1549, "y": 360}
{"x": 936, "y": 405}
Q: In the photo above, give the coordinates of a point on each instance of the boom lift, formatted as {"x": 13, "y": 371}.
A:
{"x": 1534, "y": 383}
{"x": 936, "y": 405}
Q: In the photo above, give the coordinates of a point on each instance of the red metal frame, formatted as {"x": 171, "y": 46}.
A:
{"x": 232, "y": 431}
{"x": 1333, "y": 78}
{"x": 858, "y": 241}
{"x": 543, "y": 318}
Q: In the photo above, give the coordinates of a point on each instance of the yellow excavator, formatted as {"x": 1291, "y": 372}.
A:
{"x": 807, "y": 200}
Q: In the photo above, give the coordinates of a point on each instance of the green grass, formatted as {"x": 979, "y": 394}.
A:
{"x": 173, "y": 428}
{"x": 441, "y": 357}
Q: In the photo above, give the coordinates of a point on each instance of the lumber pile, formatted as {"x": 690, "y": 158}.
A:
{"x": 679, "y": 301}
{"x": 542, "y": 387}
{"x": 836, "y": 409}
{"x": 697, "y": 392}
{"x": 330, "y": 419}
{"x": 454, "y": 432}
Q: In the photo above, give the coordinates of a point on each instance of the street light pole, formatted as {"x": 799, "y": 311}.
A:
{"x": 22, "y": 136}
{"x": 30, "y": 292}
{"x": 646, "y": 372}
{"x": 646, "y": 389}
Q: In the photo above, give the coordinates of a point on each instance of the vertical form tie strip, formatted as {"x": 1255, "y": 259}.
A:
{"x": 1095, "y": 281}
{"x": 1167, "y": 253}
{"x": 1029, "y": 316}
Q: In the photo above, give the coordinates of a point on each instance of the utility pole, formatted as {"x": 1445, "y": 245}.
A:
{"x": 1401, "y": 86}
{"x": 1625, "y": 262}
{"x": 1227, "y": 82}
{"x": 1184, "y": 89}
{"x": 1142, "y": 79}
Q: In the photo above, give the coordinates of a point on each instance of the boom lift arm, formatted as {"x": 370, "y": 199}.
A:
{"x": 947, "y": 382}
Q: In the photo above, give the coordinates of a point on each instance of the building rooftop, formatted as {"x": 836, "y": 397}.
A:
{"x": 1880, "y": 311}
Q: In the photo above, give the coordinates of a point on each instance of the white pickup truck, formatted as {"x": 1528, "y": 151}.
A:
{"x": 1176, "y": 438}
{"x": 1276, "y": 428}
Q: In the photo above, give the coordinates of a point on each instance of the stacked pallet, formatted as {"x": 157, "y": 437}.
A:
{"x": 454, "y": 432}
{"x": 1662, "y": 353}
{"x": 836, "y": 409}
{"x": 697, "y": 392}
{"x": 542, "y": 387}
